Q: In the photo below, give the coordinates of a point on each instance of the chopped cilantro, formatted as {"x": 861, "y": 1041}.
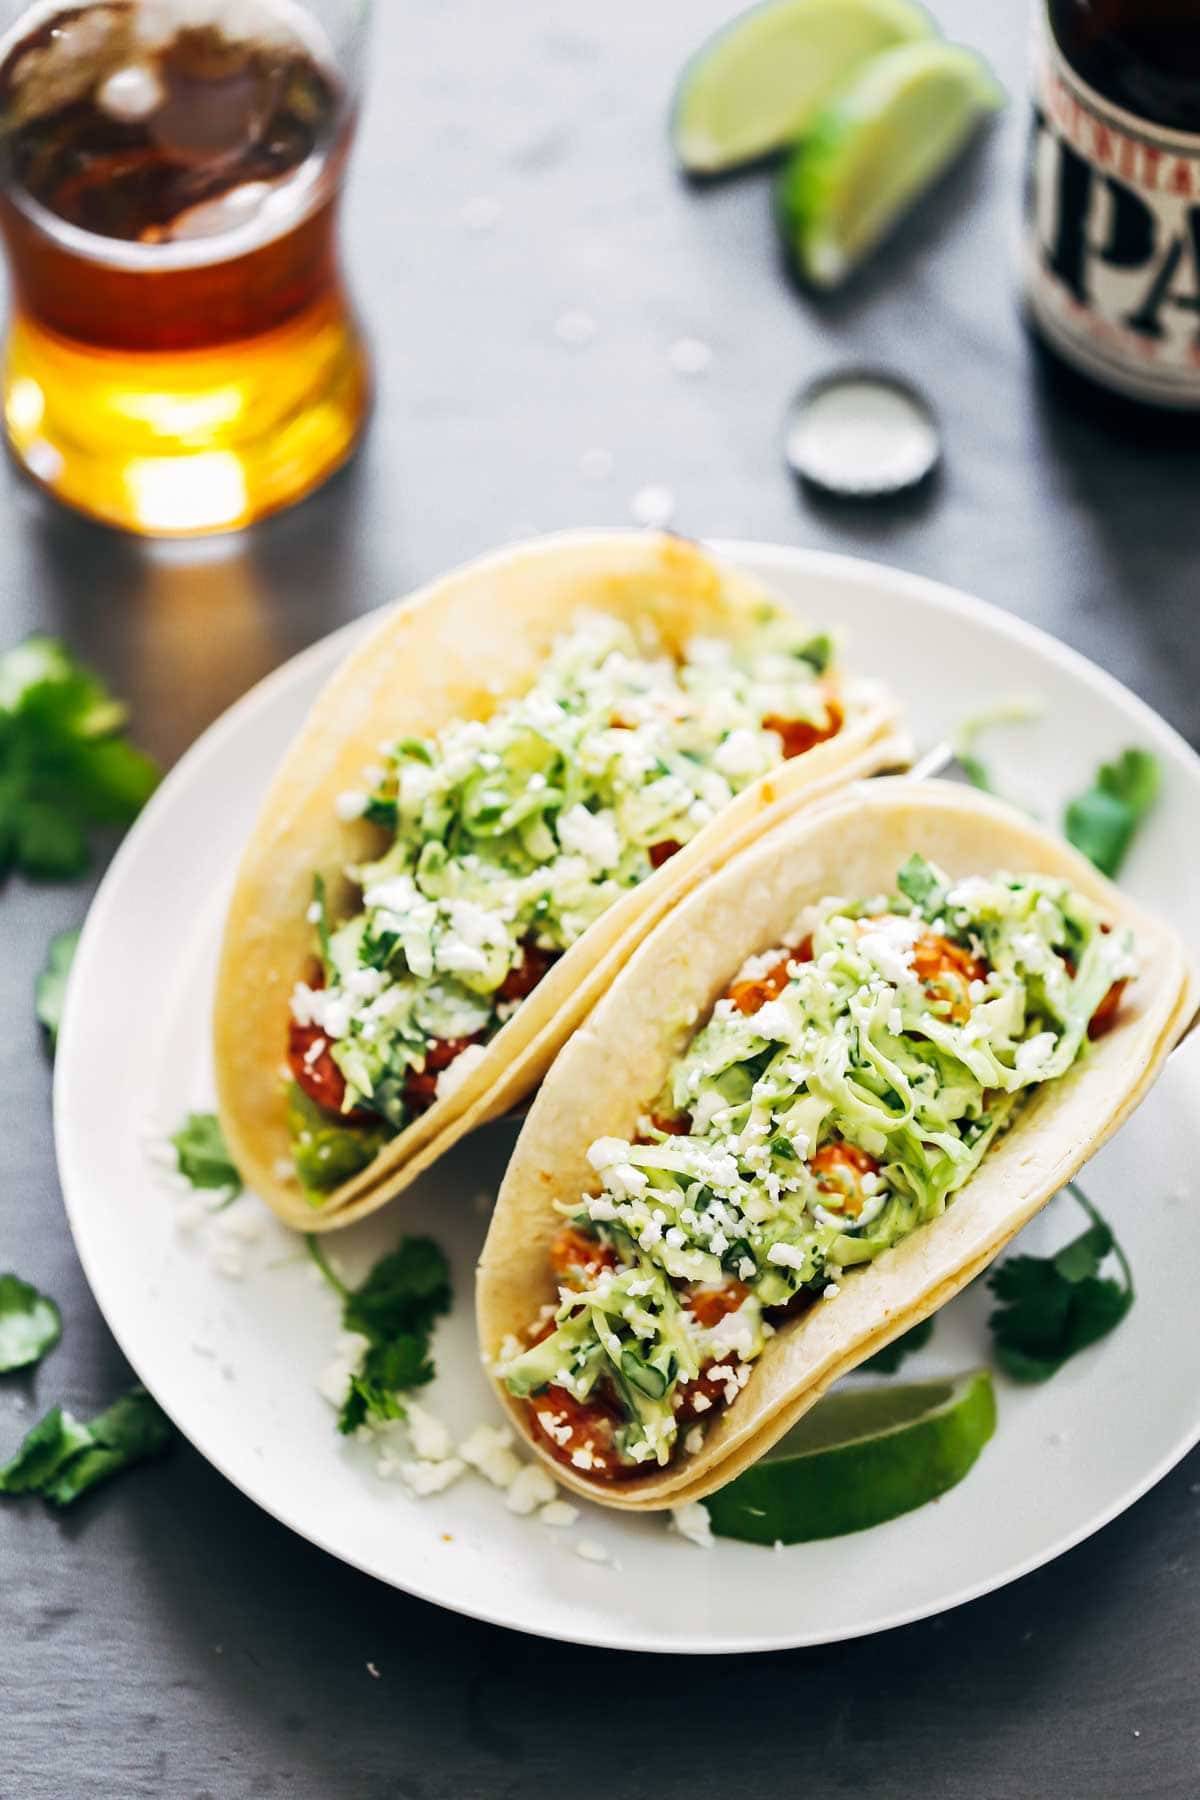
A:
{"x": 1051, "y": 1307}
{"x": 30, "y": 1324}
{"x": 50, "y": 989}
{"x": 65, "y": 764}
{"x": 817, "y": 653}
{"x": 62, "y": 1458}
{"x": 395, "y": 1309}
{"x": 889, "y": 1359}
{"x": 320, "y": 914}
{"x": 203, "y": 1157}
{"x": 1102, "y": 821}
{"x": 918, "y": 880}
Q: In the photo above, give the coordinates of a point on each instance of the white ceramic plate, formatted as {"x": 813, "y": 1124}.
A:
{"x": 235, "y": 1360}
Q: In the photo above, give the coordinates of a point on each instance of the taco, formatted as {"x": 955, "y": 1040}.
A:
{"x": 817, "y": 1101}
{"x": 493, "y": 800}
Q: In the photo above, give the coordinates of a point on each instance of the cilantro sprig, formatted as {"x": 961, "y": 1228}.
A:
{"x": 1102, "y": 821}
{"x": 65, "y": 763}
{"x": 395, "y": 1309}
{"x": 50, "y": 989}
{"x": 203, "y": 1155}
{"x": 62, "y": 1458}
{"x": 30, "y": 1324}
{"x": 1052, "y": 1307}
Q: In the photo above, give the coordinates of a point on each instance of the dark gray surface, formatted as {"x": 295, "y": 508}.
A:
{"x": 168, "y": 1639}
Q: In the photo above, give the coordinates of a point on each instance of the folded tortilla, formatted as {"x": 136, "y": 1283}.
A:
{"x": 457, "y": 650}
{"x": 615, "y": 1066}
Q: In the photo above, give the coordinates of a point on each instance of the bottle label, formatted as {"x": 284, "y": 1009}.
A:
{"x": 1113, "y": 243}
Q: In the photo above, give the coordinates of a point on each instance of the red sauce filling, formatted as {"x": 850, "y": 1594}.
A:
{"x": 800, "y": 735}
{"x": 839, "y": 1168}
{"x": 945, "y": 970}
{"x": 524, "y": 976}
{"x": 749, "y": 996}
{"x": 420, "y": 1085}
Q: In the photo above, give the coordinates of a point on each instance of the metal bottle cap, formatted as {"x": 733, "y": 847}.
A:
{"x": 862, "y": 433}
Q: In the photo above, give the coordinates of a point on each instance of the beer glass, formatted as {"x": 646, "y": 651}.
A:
{"x": 182, "y": 357}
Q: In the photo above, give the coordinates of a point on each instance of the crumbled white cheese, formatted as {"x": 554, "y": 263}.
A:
{"x": 455, "y": 1073}
{"x": 558, "y": 1514}
{"x": 594, "y": 836}
{"x": 1033, "y": 1053}
{"x": 347, "y": 1359}
{"x": 529, "y": 1490}
{"x": 430, "y": 1438}
{"x": 350, "y": 805}
{"x": 489, "y": 1449}
{"x": 590, "y": 1550}
{"x": 425, "y": 1478}
{"x": 742, "y": 753}
{"x": 692, "y": 1522}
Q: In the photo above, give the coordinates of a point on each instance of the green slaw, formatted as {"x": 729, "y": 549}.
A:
{"x": 511, "y": 836}
{"x": 894, "y": 1041}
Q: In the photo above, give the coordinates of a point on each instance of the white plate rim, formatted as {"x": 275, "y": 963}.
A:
{"x": 796, "y": 560}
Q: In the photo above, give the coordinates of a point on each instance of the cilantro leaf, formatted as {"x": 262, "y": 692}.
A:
{"x": 64, "y": 762}
{"x": 62, "y": 1458}
{"x": 404, "y": 1293}
{"x": 45, "y": 1453}
{"x": 817, "y": 653}
{"x": 1101, "y": 822}
{"x": 1052, "y": 1307}
{"x": 920, "y": 882}
{"x": 50, "y": 989}
{"x": 889, "y": 1359}
{"x": 395, "y": 1309}
{"x": 388, "y": 1371}
{"x": 203, "y": 1156}
{"x": 30, "y": 1324}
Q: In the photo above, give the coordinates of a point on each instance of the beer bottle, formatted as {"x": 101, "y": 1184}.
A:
{"x": 1112, "y": 275}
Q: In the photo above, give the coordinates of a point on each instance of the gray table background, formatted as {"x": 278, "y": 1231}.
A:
{"x": 170, "y": 1640}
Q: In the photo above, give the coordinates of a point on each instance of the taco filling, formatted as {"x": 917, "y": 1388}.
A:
{"x": 843, "y": 1091}
{"x": 508, "y": 838}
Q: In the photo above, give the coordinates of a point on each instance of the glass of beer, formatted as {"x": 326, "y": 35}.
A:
{"x": 181, "y": 357}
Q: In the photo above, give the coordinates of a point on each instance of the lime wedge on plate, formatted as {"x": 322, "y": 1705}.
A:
{"x": 861, "y": 1457}
{"x": 759, "y": 83}
{"x": 874, "y": 149}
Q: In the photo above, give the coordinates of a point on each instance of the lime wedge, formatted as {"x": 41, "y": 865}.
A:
{"x": 760, "y": 82}
{"x": 876, "y": 146}
{"x": 861, "y": 1457}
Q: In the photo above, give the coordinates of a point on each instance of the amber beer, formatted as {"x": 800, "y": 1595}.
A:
{"x": 1113, "y": 247}
{"x": 182, "y": 357}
